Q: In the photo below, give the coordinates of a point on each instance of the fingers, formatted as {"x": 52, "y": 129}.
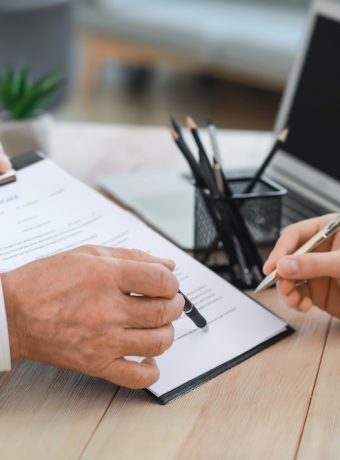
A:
{"x": 293, "y": 237}
{"x": 5, "y": 164}
{"x": 147, "y": 342}
{"x": 134, "y": 271}
{"x": 295, "y": 297}
{"x": 149, "y": 279}
{"x": 309, "y": 266}
{"x": 124, "y": 254}
{"x": 148, "y": 313}
{"x": 131, "y": 374}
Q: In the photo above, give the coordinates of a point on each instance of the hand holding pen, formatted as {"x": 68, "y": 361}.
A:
{"x": 306, "y": 279}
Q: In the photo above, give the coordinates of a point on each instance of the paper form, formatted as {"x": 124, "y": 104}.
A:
{"x": 47, "y": 211}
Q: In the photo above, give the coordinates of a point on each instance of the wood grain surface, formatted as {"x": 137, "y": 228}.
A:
{"x": 321, "y": 437}
{"x": 256, "y": 410}
{"x": 281, "y": 404}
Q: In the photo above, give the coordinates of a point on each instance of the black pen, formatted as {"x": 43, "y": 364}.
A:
{"x": 191, "y": 312}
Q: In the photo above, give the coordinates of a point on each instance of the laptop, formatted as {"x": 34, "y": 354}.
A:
{"x": 309, "y": 165}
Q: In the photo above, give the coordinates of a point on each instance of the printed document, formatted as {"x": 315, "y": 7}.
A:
{"x": 47, "y": 211}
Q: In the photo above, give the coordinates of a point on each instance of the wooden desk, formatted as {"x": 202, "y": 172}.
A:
{"x": 281, "y": 404}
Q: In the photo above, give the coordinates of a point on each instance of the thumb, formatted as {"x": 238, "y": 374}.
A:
{"x": 309, "y": 266}
{"x": 5, "y": 164}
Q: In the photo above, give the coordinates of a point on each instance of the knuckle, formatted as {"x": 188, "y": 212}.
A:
{"x": 163, "y": 279}
{"x": 160, "y": 345}
{"x": 92, "y": 271}
{"x": 118, "y": 272}
{"x": 164, "y": 340}
{"x": 178, "y": 308}
{"x": 312, "y": 266}
{"x": 137, "y": 254}
{"x": 161, "y": 313}
{"x": 167, "y": 282}
{"x": 287, "y": 231}
{"x": 89, "y": 249}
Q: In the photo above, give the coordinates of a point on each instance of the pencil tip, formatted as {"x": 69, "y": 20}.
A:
{"x": 174, "y": 134}
{"x": 282, "y": 137}
{"x": 190, "y": 122}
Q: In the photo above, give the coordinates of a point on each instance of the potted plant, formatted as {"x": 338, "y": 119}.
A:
{"x": 24, "y": 124}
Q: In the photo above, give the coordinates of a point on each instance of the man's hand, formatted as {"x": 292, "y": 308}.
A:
{"x": 320, "y": 269}
{"x": 5, "y": 164}
{"x": 75, "y": 310}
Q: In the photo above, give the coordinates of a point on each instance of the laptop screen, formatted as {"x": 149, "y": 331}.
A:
{"x": 314, "y": 117}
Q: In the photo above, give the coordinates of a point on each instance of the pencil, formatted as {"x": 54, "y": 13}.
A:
{"x": 196, "y": 172}
{"x": 206, "y": 167}
{"x": 251, "y": 260}
{"x": 280, "y": 140}
{"x": 176, "y": 126}
{"x": 243, "y": 268}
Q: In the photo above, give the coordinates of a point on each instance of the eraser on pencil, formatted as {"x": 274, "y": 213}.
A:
{"x": 7, "y": 177}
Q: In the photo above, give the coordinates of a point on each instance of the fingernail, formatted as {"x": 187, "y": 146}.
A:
{"x": 4, "y": 162}
{"x": 288, "y": 266}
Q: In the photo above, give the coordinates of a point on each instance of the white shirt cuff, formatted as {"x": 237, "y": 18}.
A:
{"x": 5, "y": 353}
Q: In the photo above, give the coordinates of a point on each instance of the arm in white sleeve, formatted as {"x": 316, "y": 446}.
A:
{"x": 5, "y": 354}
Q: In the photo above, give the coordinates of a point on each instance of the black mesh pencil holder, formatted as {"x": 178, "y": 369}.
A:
{"x": 261, "y": 210}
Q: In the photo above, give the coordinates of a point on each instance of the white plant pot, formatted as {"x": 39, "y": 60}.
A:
{"x": 26, "y": 135}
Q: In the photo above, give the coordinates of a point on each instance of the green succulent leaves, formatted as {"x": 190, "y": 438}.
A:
{"x": 21, "y": 97}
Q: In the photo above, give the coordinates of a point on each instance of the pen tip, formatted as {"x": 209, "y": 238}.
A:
{"x": 174, "y": 135}
{"x": 261, "y": 285}
{"x": 282, "y": 137}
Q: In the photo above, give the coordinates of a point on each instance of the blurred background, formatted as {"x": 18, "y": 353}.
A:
{"x": 138, "y": 61}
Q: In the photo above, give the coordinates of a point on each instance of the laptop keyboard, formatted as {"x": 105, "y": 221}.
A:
{"x": 296, "y": 208}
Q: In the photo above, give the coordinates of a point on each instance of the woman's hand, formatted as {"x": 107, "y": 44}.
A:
{"x": 5, "y": 164}
{"x": 320, "y": 269}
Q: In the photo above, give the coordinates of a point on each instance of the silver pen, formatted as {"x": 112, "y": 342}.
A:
{"x": 311, "y": 244}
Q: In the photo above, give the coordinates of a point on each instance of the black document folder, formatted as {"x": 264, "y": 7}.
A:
{"x": 239, "y": 327}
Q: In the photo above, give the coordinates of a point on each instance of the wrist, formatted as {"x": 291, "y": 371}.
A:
{"x": 11, "y": 306}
